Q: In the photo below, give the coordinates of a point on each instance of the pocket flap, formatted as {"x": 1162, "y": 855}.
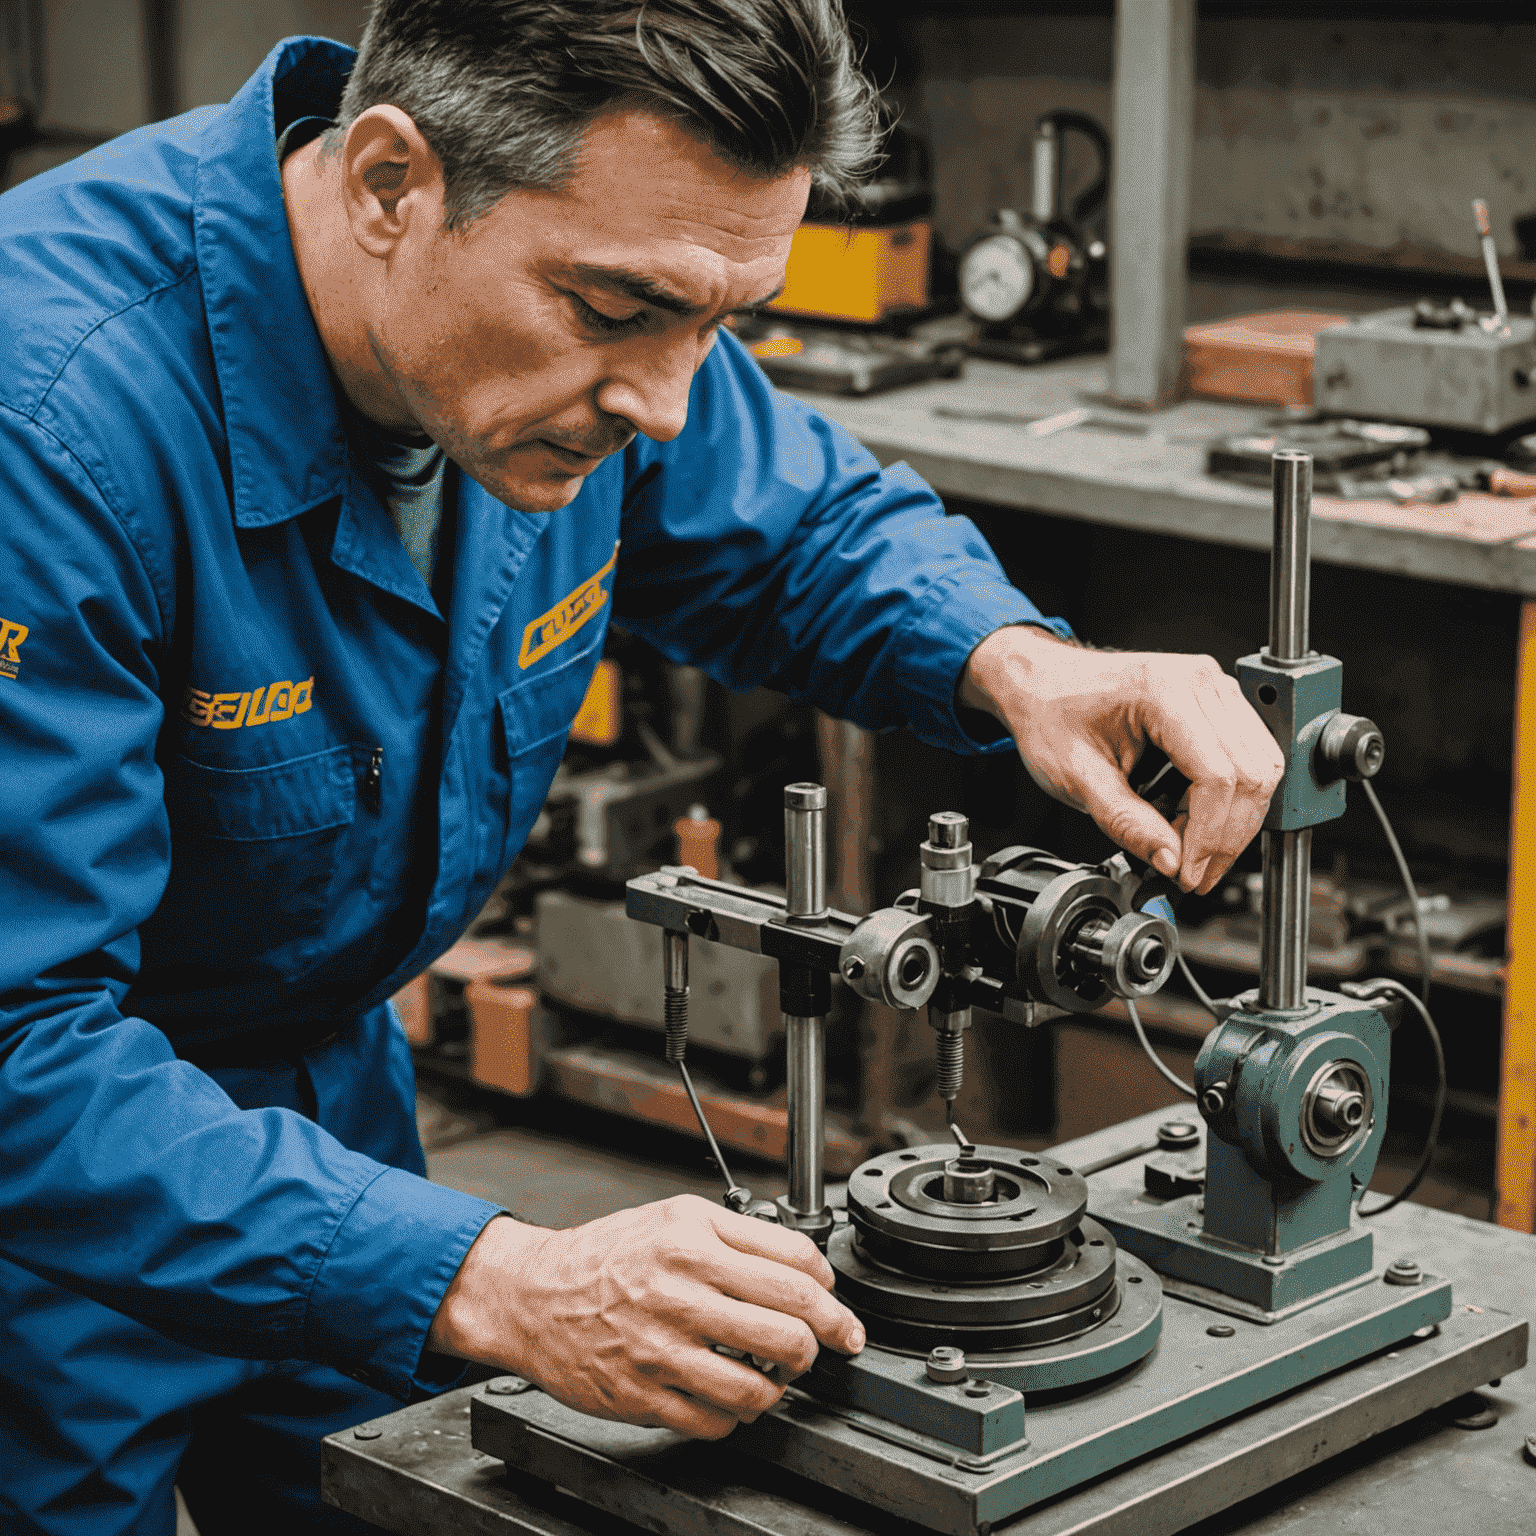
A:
{"x": 544, "y": 705}
{"x": 304, "y": 794}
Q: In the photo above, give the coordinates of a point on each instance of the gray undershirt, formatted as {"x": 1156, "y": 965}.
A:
{"x": 407, "y": 473}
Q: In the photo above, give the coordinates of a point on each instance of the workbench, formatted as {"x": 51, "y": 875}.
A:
{"x": 971, "y": 440}
{"x": 415, "y": 1472}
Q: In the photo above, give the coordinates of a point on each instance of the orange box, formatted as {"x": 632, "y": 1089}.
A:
{"x": 502, "y": 1053}
{"x": 838, "y": 273}
{"x": 1264, "y": 358}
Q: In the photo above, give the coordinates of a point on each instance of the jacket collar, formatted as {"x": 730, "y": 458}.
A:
{"x": 287, "y": 448}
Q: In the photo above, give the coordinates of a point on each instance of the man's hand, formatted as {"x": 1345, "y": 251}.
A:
{"x": 618, "y": 1318}
{"x": 1081, "y": 719}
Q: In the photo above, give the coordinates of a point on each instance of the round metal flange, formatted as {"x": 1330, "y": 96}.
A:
{"x": 896, "y": 1203}
{"x": 1074, "y": 1293}
{"x": 1045, "y": 964}
{"x": 1112, "y": 1345}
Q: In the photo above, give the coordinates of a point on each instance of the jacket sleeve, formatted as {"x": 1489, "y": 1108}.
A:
{"x": 766, "y": 546}
{"x": 127, "y": 1175}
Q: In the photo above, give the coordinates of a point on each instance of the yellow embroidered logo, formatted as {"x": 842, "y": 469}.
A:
{"x": 566, "y": 617}
{"x": 229, "y": 711}
{"x": 12, "y": 638}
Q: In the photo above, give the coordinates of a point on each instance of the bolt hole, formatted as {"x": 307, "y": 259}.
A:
{"x": 1029, "y": 1162}
{"x": 1096, "y": 1242}
{"x": 882, "y": 1205}
{"x": 1268, "y": 693}
{"x": 1066, "y": 1173}
{"x": 1133, "y": 1279}
{"x": 909, "y": 1157}
{"x": 914, "y": 969}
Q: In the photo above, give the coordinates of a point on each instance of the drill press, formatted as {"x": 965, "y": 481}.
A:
{"x": 1066, "y": 1321}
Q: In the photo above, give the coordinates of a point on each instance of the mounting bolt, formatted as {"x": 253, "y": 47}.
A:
{"x": 1175, "y": 1135}
{"x": 367, "y": 1432}
{"x": 1213, "y": 1101}
{"x": 508, "y": 1386}
{"x": 979, "y": 1389}
{"x": 1273, "y": 1260}
{"x": 1403, "y": 1272}
{"x": 946, "y": 1364}
{"x": 1221, "y": 1330}
{"x": 1530, "y": 1449}
{"x": 853, "y": 968}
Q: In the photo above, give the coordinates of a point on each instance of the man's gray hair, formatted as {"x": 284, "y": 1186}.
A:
{"x": 503, "y": 90}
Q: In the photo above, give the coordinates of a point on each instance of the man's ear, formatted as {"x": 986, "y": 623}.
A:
{"x": 390, "y": 179}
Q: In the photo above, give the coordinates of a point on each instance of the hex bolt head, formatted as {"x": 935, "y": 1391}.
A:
{"x": 979, "y": 1389}
{"x": 1174, "y": 1135}
{"x": 1403, "y": 1272}
{"x": 946, "y": 1364}
{"x": 1221, "y": 1330}
{"x": 367, "y": 1432}
{"x": 507, "y": 1386}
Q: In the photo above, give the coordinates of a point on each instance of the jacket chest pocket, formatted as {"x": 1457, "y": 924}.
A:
{"x": 536, "y": 716}
{"x": 253, "y": 861}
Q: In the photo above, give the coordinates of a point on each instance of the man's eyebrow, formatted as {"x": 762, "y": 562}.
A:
{"x": 646, "y": 290}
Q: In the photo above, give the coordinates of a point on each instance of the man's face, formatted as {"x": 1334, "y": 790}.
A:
{"x": 552, "y": 330}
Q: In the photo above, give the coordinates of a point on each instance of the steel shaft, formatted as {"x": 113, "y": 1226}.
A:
{"x": 805, "y": 850}
{"x": 1288, "y": 855}
{"x": 805, "y": 1053}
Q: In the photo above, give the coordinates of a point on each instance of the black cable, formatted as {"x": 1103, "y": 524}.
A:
{"x": 1206, "y": 1000}
{"x": 1156, "y": 1060}
{"x": 1426, "y": 968}
{"x": 1431, "y": 1141}
{"x": 1426, "y": 964}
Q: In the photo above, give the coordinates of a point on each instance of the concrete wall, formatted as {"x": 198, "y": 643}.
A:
{"x": 1377, "y": 133}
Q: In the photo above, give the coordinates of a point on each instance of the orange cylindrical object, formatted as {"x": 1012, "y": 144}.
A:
{"x": 698, "y": 845}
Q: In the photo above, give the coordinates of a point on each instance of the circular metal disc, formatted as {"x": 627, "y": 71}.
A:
{"x": 896, "y": 1203}
{"x": 1113, "y": 1345}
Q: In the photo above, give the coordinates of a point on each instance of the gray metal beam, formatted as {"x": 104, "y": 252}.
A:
{"x": 1154, "y": 134}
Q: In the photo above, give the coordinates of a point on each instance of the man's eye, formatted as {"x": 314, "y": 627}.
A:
{"x": 596, "y": 320}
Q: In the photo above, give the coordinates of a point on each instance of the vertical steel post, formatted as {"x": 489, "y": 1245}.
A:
{"x": 805, "y": 869}
{"x": 1288, "y": 855}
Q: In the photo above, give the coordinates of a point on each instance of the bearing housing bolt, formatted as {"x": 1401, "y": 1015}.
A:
{"x": 1213, "y": 1101}
{"x": 1403, "y": 1272}
{"x": 946, "y": 1364}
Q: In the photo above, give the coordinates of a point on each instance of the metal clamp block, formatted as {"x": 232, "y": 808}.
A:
{"x": 1296, "y": 702}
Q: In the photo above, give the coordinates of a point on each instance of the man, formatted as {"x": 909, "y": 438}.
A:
{"x": 323, "y": 418}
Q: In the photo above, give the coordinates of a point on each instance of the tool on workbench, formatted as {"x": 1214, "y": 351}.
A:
{"x": 1499, "y": 320}
{"x": 1191, "y": 1269}
{"x": 1037, "y": 283}
{"x": 797, "y": 356}
{"x": 1340, "y": 450}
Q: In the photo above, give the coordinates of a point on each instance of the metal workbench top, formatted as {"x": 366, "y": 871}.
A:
{"x": 415, "y": 1471}
{"x": 1156, "y": 483}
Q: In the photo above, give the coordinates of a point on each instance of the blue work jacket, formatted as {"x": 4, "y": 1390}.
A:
{"x": 255, "y": 777}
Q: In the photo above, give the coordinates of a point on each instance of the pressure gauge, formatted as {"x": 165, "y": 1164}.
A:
{"x": 997, "y": 278}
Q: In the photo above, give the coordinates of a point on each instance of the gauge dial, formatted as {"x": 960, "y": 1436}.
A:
{"x": 996, "y": 278}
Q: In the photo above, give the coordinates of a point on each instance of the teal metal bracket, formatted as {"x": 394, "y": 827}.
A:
{"x": 1296, "y": 702}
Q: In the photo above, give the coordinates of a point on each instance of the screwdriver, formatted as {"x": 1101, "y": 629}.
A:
{"x": 1491, "y": 261}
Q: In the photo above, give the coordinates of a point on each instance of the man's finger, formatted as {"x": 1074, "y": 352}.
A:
{"x": 754, "y": 1330}
{"x": 717, "y": 1381}
{"x": 768, "y": 1240}
{"x": 1124, "y": 816}
{"x": 767, "y": 1283}
{"x": 669, "y": 1408}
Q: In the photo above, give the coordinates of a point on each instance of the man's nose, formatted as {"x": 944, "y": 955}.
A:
{"x": 649, "y": 386}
